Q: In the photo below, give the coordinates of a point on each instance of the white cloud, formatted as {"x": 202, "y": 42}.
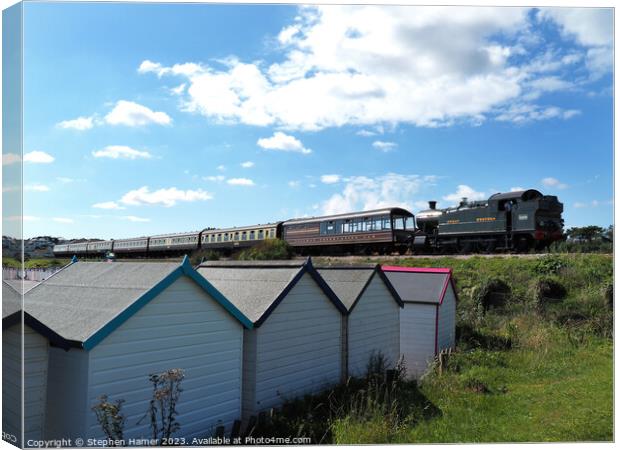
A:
{"x": 247, "y": 164}
{"x": 186, "y": 69}
{"x": 121, "y": 152}
{"x": 136, "y": 219}
{"x": 38, "y": 157}
{"x": 67, "y": 180}
{"x": 179, "y": 89}
{"x": 36, "y": 188}
{"x": 330, "y": 179}
{"x": 133, "y": 115}
{"x": 580, "y": 205}
{"x": 591, "y": 28}
{"x": 516, "y": 189}
{"x": 527, "y": 112}
{"x": 283, "y": 142}
{"x": 551, "y": 182}
{"x": 464, "y": 191}
{"x": 366, "y": 133}
{"x": 10, "y": 158}
{"x": 80, "y": 124}
{"x": 216, "y": 178}
{"x": 294, "y": 184}
{"x": 588, "y": 26}
{"x": 365, "y": 193}
{"x": 221, "y": 167}
{"x": 108, "y": 205}
{"x": 240, "y": 182}
{"x": 164, "y": 197}
{"x": 62, "y": 220}
{"x": 367, "y": 65}
{"x": 384, "y": 146}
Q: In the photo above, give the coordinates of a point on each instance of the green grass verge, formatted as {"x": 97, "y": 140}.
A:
{"x": 558, "y": 392}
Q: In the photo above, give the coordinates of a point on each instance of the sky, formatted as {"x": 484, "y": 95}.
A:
{"x": 142, "y": 119}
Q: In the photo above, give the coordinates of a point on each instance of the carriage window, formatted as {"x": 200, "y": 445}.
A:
{"x": 271, "y": 233}
{"x": 330, "y": 227}
{"x": 219, "y": 238}
{"x": 385, "y": 223}
{"x": 399, "y": 223}
{"x": 252, "y": 234}
{"x": 244, "y": 236}
{"x": 261, "y": 234}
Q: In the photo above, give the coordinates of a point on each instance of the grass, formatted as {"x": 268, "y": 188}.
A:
{"x": 35, "y": 263}
{"x": 536, "y": 367}
{"x": 554, "y": 392}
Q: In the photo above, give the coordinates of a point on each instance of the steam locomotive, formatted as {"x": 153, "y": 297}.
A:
{"x": 514, "y": 221}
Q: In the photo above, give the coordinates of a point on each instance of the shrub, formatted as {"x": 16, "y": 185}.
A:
{"x": 110, "y": 418}
{"x": 162, "y": 410}
{"x": 204, "y": 255}
{"x": 546, "y": 290}
{"x": 267, "y": 250}
{"x": 549, "y": 265}
{"x": 491, "y": 293}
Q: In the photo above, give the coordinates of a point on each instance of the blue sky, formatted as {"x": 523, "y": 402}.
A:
{"x": 143, "y": 119}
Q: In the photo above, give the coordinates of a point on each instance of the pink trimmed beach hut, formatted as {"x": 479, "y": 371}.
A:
{"x": 428, "y": 319}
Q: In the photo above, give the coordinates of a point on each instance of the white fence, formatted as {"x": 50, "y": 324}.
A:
{"x": 11, "y": 273}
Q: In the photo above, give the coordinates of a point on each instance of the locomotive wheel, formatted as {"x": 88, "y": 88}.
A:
{"x": 465, "y": 248}
{"x": 489, "y": 247}
{"x": 522, "y": 245}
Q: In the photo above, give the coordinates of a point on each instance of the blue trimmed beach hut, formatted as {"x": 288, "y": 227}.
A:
{"x": 121, "y": 322}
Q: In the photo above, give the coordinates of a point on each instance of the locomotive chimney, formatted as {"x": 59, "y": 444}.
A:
{"x": 432, "y": 204}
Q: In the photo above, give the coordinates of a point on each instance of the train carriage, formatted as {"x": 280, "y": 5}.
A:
{"x": 61, "y": 249}
{"x": 80, "y": 248}
{"x": 131, "y": 246}
{"x": 99, "y": 247}
{"x": 173, "y": 243}
{"x": 382, "y": 230}
{"x": 239, "y": 237}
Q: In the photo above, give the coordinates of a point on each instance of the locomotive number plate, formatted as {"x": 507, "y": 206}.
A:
{"x": 522, "y": 216}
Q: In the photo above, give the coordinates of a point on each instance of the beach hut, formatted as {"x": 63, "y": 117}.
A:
{"x": 428, "y": 319}
{"x": 372, "y": 321}
{"x": 122, "y": 322}
{"x": 21, "y": 329}
{"x": 295, "y": 345}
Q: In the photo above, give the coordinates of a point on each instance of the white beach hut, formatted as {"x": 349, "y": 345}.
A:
{"x": 372, "y": 322}
{"x": 428, "y": 319}
{"x": 21, "y": 329}
{"x": 122, "y": 322}
{"x": 295, "y": 345}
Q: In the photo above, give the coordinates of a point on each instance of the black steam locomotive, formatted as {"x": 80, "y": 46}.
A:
{"x": 513, "y": 221}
